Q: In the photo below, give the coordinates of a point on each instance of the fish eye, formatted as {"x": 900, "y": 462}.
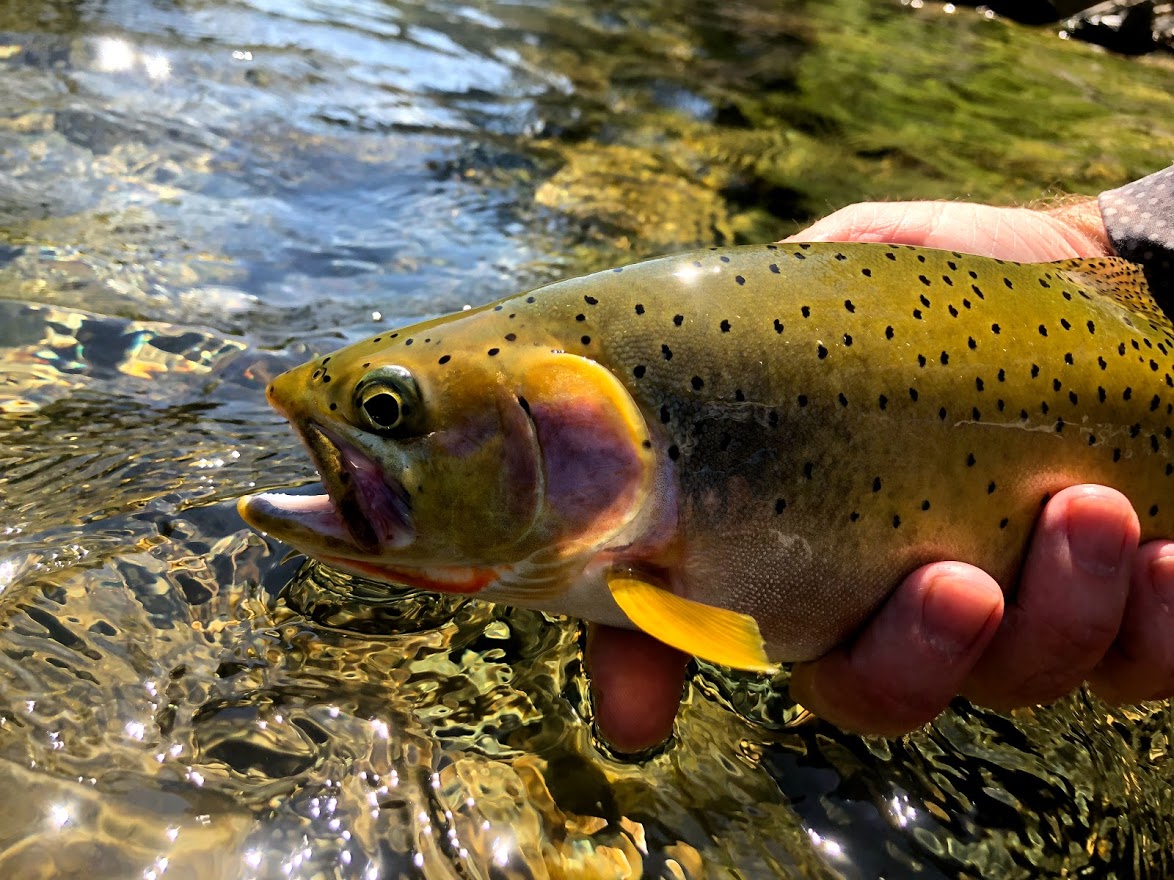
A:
{"x": 383, "y": 408}
{"x": 383, "y": 398}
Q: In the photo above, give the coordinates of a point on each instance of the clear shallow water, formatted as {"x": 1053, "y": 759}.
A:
{"x": 195, "y": 195}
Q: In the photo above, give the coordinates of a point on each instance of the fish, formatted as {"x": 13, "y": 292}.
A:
{"x": 740, "y": 451}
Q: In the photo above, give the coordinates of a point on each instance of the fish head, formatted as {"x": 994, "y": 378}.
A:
{"x": 450, "y": 457}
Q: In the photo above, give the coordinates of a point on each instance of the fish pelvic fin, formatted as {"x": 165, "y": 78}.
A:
{"x": 714, "y": 634}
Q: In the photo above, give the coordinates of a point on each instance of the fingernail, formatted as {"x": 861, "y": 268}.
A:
{"x": 1162, "y": 578}
{"x": 1097, "y": 545}
{"x": 952, "y": 621}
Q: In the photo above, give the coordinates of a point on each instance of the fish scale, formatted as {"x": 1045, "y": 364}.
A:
{"x": 818, "y": 419}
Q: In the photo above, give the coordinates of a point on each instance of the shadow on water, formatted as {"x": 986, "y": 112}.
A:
{"x": 198, "y": 194}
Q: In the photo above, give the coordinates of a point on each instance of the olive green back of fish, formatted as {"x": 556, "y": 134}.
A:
{"x": 840, "y": 414}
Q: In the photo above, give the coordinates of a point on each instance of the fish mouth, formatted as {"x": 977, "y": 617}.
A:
{"x": 362, "y": 507}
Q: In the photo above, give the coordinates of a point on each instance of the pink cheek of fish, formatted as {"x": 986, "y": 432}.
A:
{"x": 384, "y": 505}
{"x": 593, "y": 471}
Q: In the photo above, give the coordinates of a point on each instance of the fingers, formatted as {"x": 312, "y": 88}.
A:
{"x": 911, "y": 660}
{"x": 1018, "y": 234}
{"x": 1070, "y": 603}
{"x": 1140, "y": 665}
{"x": 636, "y": 682}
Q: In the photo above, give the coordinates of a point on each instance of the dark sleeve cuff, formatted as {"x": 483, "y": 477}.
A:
{"x": 1139, "y": 218}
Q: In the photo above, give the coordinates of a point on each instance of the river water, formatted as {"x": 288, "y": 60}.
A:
{"x": 197, "y": 194}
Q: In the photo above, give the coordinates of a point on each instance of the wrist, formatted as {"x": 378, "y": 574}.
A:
{"x": 1082, "y": 224}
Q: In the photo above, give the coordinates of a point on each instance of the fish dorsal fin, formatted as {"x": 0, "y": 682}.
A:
{"x": 1119, "y": 280}
{"x": 714, "y": 634}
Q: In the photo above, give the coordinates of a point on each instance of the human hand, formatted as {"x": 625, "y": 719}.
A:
{"x": 1091, "y": 605}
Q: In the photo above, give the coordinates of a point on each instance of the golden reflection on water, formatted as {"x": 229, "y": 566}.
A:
{"x": 198, "y": 195}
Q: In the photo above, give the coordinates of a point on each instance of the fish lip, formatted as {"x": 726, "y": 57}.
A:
{"x": 337, "y": 463}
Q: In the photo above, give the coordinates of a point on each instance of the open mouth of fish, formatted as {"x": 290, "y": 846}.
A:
{"x": 361, "y": 507}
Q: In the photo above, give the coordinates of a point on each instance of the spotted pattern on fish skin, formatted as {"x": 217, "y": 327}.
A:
{"x": 761, "y": 384}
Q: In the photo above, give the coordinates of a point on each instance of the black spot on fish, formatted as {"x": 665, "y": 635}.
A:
{"x": 841, "y": 257}
{"x": 802, "y": 400}
{"x": 780, "y": 505}
{"x": 639, "y": 308}
{"x": 1068, "y": 359}
{"x": 896, "y": 521}
{"x": 917, "y": 314}
{"x": 953, "y": 311}
{"x": 913, "y": 394}
{"x": 674, "y": 452}
{"x": 977, "y": 292}
{"x": 667, "y": 352}
{"x": 511, "y": 337}
{"x": 586, "y": 340}
{"x": 1043, "y": 331}
{"x": 530, "y": 299}
{"x": 1056, "y": 384}
{"x": 1092, "y": 328}
{"x": 1155, "y": 402}
{"x": 1059, "y": 425}
{"x": 853, "y": 516}
{"x": 725, "y": 259}
{"x": 638, "y": 371}
{"x": 888, "y": 332}
{"x": 1154, "y": 510}
{"x": 1134, "y": 430}
{"x": 808, "y": 469}
{"x": 1064, "y": 323}
{"x": 882, "y": 401}
{"x": 945, "y": 358}
{"x": 774, "y": 268}
{"x": 925, "y": 504}
{"x": 867, "y": 273}
{"x": 1116, "y": 454}
{"x": 924, "y": 300}
{"x": 739, "y": 396}
{"x": 1101, "y": 393}
{"x": 617, "y": 269}
{"x": 975, "y": 414}
{"x": 408, "y": 341}
{"x": 316, "y": 374}
{"x": 1035, "y": 371}
{"x": 326, "y": 379}
{"x": 444, "y": 359}
{"x": 843, "y": 400}
{"x": 1007, "y": 281}
{"x": 1000, "y": 404}
{"x": 1003, "y": 523}
{"x": 876, "y": 484}
{"x": 1092, "y": 439}
{"x": 739, "y": 279}
{"x": 971, "y": 344}
{"x": 778, "y": 326}
{"x": 950, "y": 283}
{"x": 1072, "y": 397}
{"x": 1121, "y": 349}
{"x": 590, "y": 300}
{"x": 493, "y": 351}
{"x": 849, "y": 306}
{"x": 806, "y": 311}
{"x": 1128, "y": 393}
{"x": 664, "y": 415}
{"x": 725, "y": 325}
{"x": 697, "y": 383}
{"x": 822, "y": 351}
{"x": 921, "y": 360}
{"x": 678, "y": 320}
{"x": 580, "y": 317}
{"x": 970, "y": 460}
{"x": 647, "y": 444}
{"x": 892, "y": 257}
{"x": 847, "y": 339}
{"x": 1002, "y": 375}
{"x": 333, "y": 407}
{"x": 978, "y": 383}
{"x": 942, "y": 413}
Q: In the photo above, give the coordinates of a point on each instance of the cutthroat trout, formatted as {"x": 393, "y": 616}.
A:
{"x": 739, "y": 451}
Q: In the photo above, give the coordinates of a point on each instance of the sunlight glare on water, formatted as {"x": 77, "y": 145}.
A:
{"x": 198, "y": 196}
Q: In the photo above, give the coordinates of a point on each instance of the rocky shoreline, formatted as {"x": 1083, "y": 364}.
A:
{"x": 1131, "y": 27}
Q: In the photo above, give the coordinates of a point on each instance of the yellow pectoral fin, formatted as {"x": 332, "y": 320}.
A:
{"x": 714, "y": 634}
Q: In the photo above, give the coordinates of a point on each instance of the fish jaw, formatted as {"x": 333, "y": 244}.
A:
{"x": 363, "y": 514}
